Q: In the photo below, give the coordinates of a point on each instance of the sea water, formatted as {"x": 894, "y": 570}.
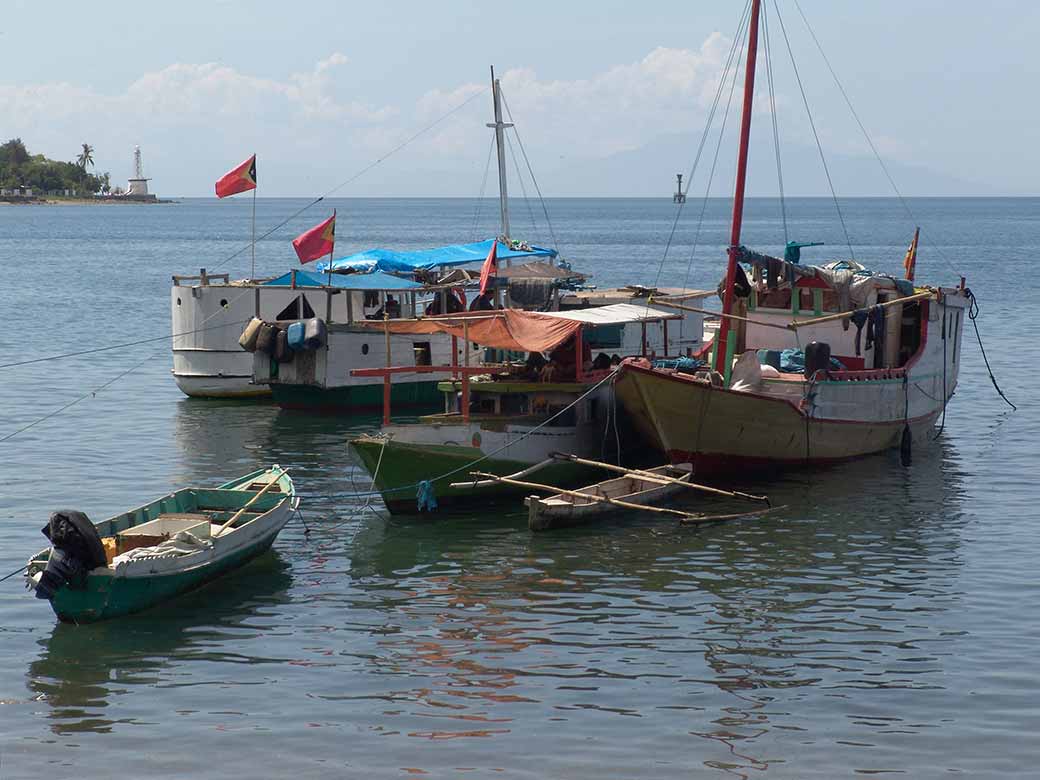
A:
{"x": 885, "y": 621}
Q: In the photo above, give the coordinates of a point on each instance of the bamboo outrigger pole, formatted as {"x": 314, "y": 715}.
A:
{"x": 685, "y": 518}
{"x": 651, "y": 477}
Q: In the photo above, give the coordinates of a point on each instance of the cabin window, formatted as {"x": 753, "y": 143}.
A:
{"x": 364, "y": 349}
{"x": 223, "y": 303}
{"x": 423, "y": 357}
{"x": 371, "y": 298}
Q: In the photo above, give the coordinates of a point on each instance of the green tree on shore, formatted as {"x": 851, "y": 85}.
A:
{"x": 86, "y": 157}
{"x": 19, "y": 168}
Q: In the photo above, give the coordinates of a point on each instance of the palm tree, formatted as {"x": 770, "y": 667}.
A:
{"x": 86, "y": 157}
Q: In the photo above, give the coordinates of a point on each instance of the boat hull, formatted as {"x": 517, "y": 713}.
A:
{"x": 399, "y": 466}
{"x": 134, "y": 583}
{"x": 106, "y": 597}
{"x": 723, "y": 431}
{"x": 356, "y": 399}
{"x": 566, "y": 511}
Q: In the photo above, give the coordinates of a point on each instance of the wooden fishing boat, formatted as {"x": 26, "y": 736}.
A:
{"x": 508, "y": 417}
{"x": 150, "y": 554}
{"x": 887, "y": 391}
{"x": 580, "y": 506}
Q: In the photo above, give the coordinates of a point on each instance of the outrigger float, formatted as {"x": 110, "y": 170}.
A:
{"x": 169, "y": 546}
{"x": 636, "y": 489}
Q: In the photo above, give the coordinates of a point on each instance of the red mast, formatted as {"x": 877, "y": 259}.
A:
{"x": 722, "y": 346}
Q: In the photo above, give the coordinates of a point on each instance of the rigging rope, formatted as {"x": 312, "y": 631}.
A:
{"x": 530, "y": 170}
{"x": 772, "y": 113}
{"x": 816, "y": 135}
{"x": 973, "y": 312}
{"x": 738, "y": 41}
{"x": 866, "y": 135}
{"x": 89, "y": 394}
{"x": 714, "y": 165}
{"x": 523, "y": 189}
{"x": 120, "y": 346}
{"x": 483, "y": 188}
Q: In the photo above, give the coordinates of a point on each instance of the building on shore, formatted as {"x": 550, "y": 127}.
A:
{"x": 137, "y": 185}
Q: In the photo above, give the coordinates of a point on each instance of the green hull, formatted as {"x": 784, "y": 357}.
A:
{"x": 356, "y": 399}
{"x": 107, "y": 597}
{"x": 404, "y": 465}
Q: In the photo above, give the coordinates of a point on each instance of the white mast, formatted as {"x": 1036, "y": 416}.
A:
{"x": 499, "y": 125}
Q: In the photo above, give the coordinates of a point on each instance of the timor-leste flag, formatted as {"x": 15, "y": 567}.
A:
{"x": 241, "y": 179}
{"x": 490, "y": 266}
{"x": 910, "y": 261}
{"x": 317, "y": 241}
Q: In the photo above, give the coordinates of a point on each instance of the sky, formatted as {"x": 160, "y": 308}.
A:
{"x": 609, "y": 98}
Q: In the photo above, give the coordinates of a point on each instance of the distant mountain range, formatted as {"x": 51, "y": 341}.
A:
{"x": 650, "y": 170}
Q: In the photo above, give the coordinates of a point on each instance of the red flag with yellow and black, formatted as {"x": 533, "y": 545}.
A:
{"x": 241, "y": 179}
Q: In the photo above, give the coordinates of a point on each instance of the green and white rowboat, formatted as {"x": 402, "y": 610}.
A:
{"x": 155, "y": 552}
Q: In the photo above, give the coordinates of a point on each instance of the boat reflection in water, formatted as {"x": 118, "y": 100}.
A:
{"x": 488, "y": 628}
{"x": 81, "y": 669}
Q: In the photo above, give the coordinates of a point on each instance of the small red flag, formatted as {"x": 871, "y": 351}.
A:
{"x": 490, "y": 266}
{"x": 241, "y": 179}
{"x": 316, "y": 242}
{"x": 910, "y": 261}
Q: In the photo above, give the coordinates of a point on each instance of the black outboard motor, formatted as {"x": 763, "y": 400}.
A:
{"x": 817, "y": 357}
{"x": 77, "y": 549}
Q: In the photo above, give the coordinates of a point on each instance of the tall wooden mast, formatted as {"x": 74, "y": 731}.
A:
{"x": 499, "y": 127}
{"x": 723, "y": 347}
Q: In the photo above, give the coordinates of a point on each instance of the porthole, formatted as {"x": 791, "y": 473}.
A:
{"x": 178, "y": 301}
{"x": 364, "y": 349}
{"x": 223, "y": 303}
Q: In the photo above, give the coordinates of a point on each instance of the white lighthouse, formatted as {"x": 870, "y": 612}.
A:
{"x": 137, "y": 185}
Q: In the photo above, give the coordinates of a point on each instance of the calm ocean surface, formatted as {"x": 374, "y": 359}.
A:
{"x": 886, "y": 622}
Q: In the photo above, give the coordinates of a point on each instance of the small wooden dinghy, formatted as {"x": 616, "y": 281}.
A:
{"x": 575, "y": 507}
{"x": 148, "y": 555}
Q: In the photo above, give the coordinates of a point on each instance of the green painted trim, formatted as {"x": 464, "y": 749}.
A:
{"x": 817, "y": 301}
{"x": 731, "y": 346}
{"x": 752, "y": 301}
{"x": 353, "y": 399}
{"x": 106, "y": 597}
{"x": 403, "y": 465}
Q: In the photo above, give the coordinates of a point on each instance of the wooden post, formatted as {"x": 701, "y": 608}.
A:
{"x": 454, "y": 356}
{"x": 386, "y": 376}
{"x": 579, "y": 363}
{"x": 664, "y": 325}
{"x": 465, "y": 374}
{"x": 643, "y": 326}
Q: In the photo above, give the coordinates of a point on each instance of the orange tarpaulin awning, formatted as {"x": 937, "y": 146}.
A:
{"x": 513, "y": 329}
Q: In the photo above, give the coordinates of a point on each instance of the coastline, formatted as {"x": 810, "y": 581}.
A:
{"x": 81, "y": 201}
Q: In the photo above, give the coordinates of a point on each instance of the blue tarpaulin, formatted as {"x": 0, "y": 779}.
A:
{"x": 426, "y": 259}
{"x": 373, "y": 281}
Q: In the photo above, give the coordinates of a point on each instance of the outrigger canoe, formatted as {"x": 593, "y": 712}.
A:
{"x": 576, "y": 507}
{"x": 148, "y": 555}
